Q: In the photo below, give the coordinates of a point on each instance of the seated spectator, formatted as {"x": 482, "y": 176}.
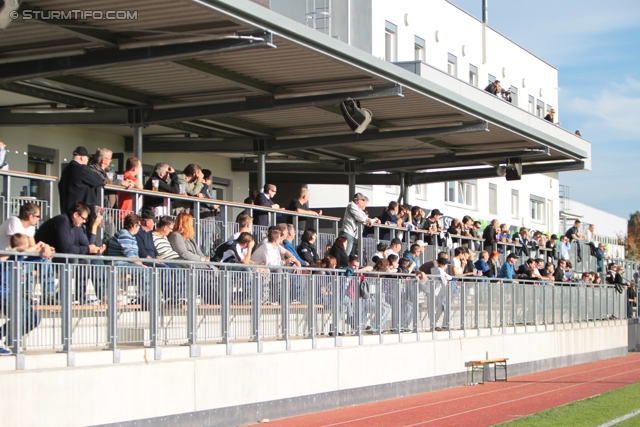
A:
{"x": 507, "y": 271}
{"x": 394, "y": 247}
{"x": 551, "y": 244}
{"x": 493, "y": 263}
{"x": 430, "y": 265}
{"x": 160, "y": 241}
{"x": 339, "y": 251}
{"x": 123, "y": 243}
{"x": 404, "y": 266}
{"x": 564, "y": 247}
{"x": 183, "y": 239}
{"x": 272, "y": 252}
{"x": 522, "y": 239}
{"x": 329, "y": 262}
{"x": 29, "y": 317}
{"x": 548, "y": 273}
{"x": 475, "y": 230}
{"x": 286, "y": 238}
{"x": 25, "y": 223}
{"x": 245, "y": 225}
{"x": 382, "y": 249}
{"x": 530, "y": 264}
{"x": 558, "y": 274}
{"x": 307, "y": 249}
{"x": 585, "y": 280}
{"x": 125, "y": 200}
{"x": 482, "y": 264}
{"x": 144, "y": 238}
{"x": 236, "y": 251}
{"x": 192, "y": 181}
{"x": 394, "y": 262}
{"x": 265, "y": 199}
{"x": 569, "y": 273}
{"x": 458, "y": 264}
{"x": 167, "y": 183}
{"x": 413, "y": 254}
{"x": 469, "y": 256}
{"x": 551, "y": 117}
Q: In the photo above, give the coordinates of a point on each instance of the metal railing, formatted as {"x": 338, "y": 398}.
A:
{"x": 191, "y": 303}
{"x": 11, "y": 203}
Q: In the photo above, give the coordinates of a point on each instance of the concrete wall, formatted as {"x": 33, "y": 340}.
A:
{"x": 246, "y": 386}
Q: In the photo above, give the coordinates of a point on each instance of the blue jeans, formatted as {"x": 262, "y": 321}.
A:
{"x": 46, "y": 274}
{"x": 30, "y": 318}
{"x": 350, "y": 242}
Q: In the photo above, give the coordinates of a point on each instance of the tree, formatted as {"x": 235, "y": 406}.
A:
{"x": 632, "y": 242}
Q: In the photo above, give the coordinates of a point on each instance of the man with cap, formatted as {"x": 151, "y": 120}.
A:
{"x": 78, "y": 182}
{"x": 354, "y": 215}
{"x": 394, "y": 247}
{"x": 144, "y": 236}
{"x": 381, "y": 254}
{"x": 507, "y": 270}
{"x": 432, "y": 224}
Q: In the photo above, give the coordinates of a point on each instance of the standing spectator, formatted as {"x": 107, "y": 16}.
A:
{"x": 166, "y": 178}
{"x": 101, "y": 164}
{"x": 78, "y": 182}
{"x": 600, "y": 255}
{"x": 390, "y": 217}
{"x": 551, "y": 245}
{"x": 208, "y": 210}
{"x": 307, "y": 248}
{"x": 490, "y": 235}
{"x": 354, "y": 215}
{"x": 418, "y": 217}
{"x": 433, "y": 226}
{"x": 507, "y": 271}
{"x": 265, "y": 199}
{"x": 551, "y": 117}
{"x": 298, "y": 205}
{"x": 125, "y": 200}
{"x": 441, "y": 290}
{"x": 192, "y": 181}
{"x": 565, "y": 248}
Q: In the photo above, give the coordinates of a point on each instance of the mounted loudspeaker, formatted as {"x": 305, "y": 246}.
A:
{"x": 514, "y": 169}
{"x": 356, "y": 117}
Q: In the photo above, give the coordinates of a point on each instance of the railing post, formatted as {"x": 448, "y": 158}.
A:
{"x": 447, "y": 320}
{"x": 399, "y": 306}
{"x": 356, "y": 307}
{"x": 415, "y": 283}
{"x": 571, "y": 307}
{"x": 197, "y": 227}
{"x": 489, "y": 307}
{"x": 513, "y": 307}
{"x": 335, "y": 310}
{"x": 544, "y": 305}
{"x": 100, "y": 236}
{"x": 379, "y": 307}
{"x": 112, "y": 312}
{"x": 296, "y": 223}
{"x": 65, "y": 302}
{"x": 7, "y": 195}
{"x": 15, "y": 312}
{"x": 256, "y": 302}
{"x": 284, "y": 304}
{"x": 502, "y": 324}
{"x": 50, "y": 198}
{"x": 360, "y": 245}
{"x": 311, "y": 311}
{"x": 524, "y": 306}
{"x": 194, "y": 348}
{"x": 463, "y": 298}
{"x": 154, "y": 303}
{"x": 336, "y": 229}
{"x": 225, "y": 219}
{"x": 225, "y": 308}
{"x": 432, "y": 306}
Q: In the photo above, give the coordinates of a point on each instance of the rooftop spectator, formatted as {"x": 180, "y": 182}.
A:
{"x": 298, "y": 205}
{"x": 208, "y": 210}
{"x": 124, "y": 243}
{"x": 183, "y": 239}
{"x": 339, "y": 250}
{"x": 354, "y": 215}
{"x": 78, "y": 182}
{"x": 494, "y": 88}
{"x": 29, "y": 317}
{"x": 307, "y": 248}
{"x": 507, "y": 271}
{"x": 490, "y": 235}
{"x": 551, "y": 117}
{"x": 134, "y": 166}
{"x": 590, "y": 237}
{"x": 265, "y": 199}
{"x": 166, "y": 179}
{"x": 191, "y": 181}
{"x": 573, "y": 233}
{"x": 578, "y": 133}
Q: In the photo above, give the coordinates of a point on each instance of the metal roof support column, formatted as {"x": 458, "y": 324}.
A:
{"x": 262, "y": 180}
{"x": 352, "y": 185}
{"x": 404, "y": 189}
{"x": 137, "y": 146}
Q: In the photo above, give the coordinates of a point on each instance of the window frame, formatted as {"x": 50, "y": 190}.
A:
{"x": 473, "y": 75}
{"x": 452, "y": 65}
{"x": 390, "y": 42}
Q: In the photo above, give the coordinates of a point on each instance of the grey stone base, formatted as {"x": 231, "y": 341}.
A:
{"x": 254, "y": 412}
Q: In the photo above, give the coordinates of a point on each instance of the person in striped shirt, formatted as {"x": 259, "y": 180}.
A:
{"x": 124, "y": 243}
{"x": 164, "y": 227}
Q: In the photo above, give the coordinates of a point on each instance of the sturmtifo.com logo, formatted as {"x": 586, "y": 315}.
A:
{"x": 75, "y": 14}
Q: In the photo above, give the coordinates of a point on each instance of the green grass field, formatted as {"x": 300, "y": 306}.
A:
{"x": 593, "y": 411}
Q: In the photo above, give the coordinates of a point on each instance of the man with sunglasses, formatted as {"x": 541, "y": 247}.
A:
{"x": 64, "y": 232}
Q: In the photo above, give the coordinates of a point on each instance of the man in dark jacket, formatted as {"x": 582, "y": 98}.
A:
{"x": 78, "y": 183}
{"x": 167, "y": 183}
{"x": 265, "y": 199}
{"x": 144, "y": 237}
{"x": 489, "y": 235}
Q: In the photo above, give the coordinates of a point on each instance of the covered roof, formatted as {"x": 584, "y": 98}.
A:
{"x": 234, "y": 78}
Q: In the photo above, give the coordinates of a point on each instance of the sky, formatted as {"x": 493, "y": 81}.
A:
{"x": 595, "y": 45}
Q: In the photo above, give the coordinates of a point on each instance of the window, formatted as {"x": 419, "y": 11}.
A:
{"x": 390, "y": 42}
{"x": 461, "y": 192}
{"x": 537, "y": 208}
{"x": 473, "y": 75}
{"x": 549, "y": 108}
{"x": 419, "y": 49}
{"x": 540, "y": 109}
{"x": 492, "y": 79}
{"x": 393, "y": 189}
{"x": 493, "y": 199}
{"x": 38, "y": 161}
{"x": 514, "y": 95}
{"x": 532, "y": 104}
{"x": 515, "y": 203}
{"x": 452, "y": 65}
{"x": 421, "y": 191}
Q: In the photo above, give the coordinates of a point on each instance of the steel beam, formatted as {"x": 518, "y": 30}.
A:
{"x": 108, "y": 92}
{"x": 335, "y": 179}
{"x": 238, "y": 79}
{"x": 110, "y": 57}
{"x": 240, "y": 165}
{"x": 191, "y": 145}
{"x": 371, "y": 136}
{"x": 50, "y": 95}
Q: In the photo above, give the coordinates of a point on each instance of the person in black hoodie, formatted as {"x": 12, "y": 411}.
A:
{"x": 338, "y": 250}
{"x": 307, "y": 249}
{"x": 167, "y": 183}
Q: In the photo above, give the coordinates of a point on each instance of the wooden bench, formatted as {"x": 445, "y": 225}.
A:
{"x": 481, "y": 366}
